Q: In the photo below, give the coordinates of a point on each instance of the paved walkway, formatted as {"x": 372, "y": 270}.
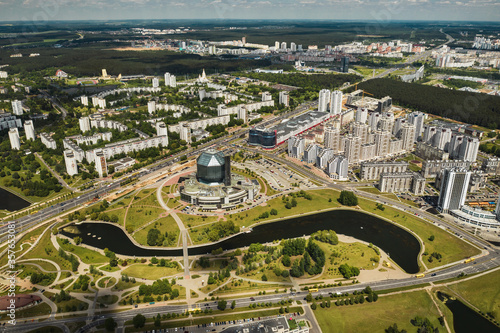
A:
{"x": 182, "y": 228}
{"x": 55, "y": 174}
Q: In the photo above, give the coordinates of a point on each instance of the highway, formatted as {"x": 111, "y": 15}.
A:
{"x": 482, "y": 264}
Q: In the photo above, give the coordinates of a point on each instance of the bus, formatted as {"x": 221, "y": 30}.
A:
{"x": 313, "y": 290}
{"x": 468, "y": 260}
{"x": 419, "y": 275}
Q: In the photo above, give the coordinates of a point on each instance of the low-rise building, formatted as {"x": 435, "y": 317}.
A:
{"x": 431, "y": 169}
{"x": 48, "y": 141}
{"x": 401, "y": 182}
{"x": 372, "y": 170}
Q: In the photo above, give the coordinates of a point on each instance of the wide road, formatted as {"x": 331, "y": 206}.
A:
{"x": 482, "y": 264}
{"x": 27, "y": 222}
{"x": 415, "y": 57}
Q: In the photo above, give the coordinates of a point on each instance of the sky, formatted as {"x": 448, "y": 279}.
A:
{"x": 373, "y": 10}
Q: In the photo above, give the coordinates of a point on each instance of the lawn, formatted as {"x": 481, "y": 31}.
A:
{"x": 164, "y": 225}
{"x": 41, "y": 309}
{"x": 45, "y": 265}
{"x": 376, "y": 317}
{"x": 482, "y": 292}
{"x": 106, "y": 282}
{"x": 146, "y": 198}
{"x": 139, "y": 216}
{"x": 191, "y": 221}
{"x": 372, "y": 190}
{"x": 150, "y": 272}
{"x": 87, "y": 256}
{"x": 354, "y": 254}
{"x": 45, "y": 250}
{"x": 247, "y": 286}
{"x": 450, "y": 247}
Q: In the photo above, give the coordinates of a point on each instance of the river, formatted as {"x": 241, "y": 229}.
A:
{"x": 401, "y": 245}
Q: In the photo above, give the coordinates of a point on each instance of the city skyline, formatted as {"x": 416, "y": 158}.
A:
{"x": 369, "y": 10}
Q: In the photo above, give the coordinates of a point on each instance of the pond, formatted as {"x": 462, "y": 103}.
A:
{"x": 11, "y": 202}
{"x": 401, "y": 245}
{"x": 465, "y": 319}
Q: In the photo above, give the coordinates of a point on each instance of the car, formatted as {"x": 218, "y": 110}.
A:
{"x": 252, "y": 299}
{"x": 433, "y": 274}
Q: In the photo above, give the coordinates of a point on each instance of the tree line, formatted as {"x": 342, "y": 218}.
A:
{"x": 473, "y": 108}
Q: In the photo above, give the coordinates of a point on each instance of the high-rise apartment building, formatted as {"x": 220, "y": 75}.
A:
{"x": 469, "y": 149}
{"x": 151, "y": 107}
{"x": 100, "y": 163}
{"x": 336, "y": 102}
{"x": 15, "y": 142}
{"x": 284, "y": 98}
{"x": 17, "y": 107}
{"x": 361, "y": 115}
{"x": 382, "y": 139}
{"x": 324, "y": 99}
{"x": 29, "y": 129}
{"x": 361, "y": 130}
{"x": 156, "y": 82}
{"x": 352, "y": 148}
{"x": 454, "y": 184}
{"x": 442, "y": 138}
{"x": 417, "y": 118}
{"x": 407, "y": 136}
{"x": 332, "y": 138}
{"x": 84, "y": 124}
{"x": 70, "y": 160}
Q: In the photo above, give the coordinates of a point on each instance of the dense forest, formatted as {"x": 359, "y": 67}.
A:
{"x": 90, "y": 62}
{"x": 314, "y": 82}
{"x": 472, "y": 108}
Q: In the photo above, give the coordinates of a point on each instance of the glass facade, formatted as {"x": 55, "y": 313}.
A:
{"x": 210, "y": 167}
{"x": 266, "y": 139}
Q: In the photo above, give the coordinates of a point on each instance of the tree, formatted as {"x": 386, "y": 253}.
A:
{"x": 157, "y": 322}
{"x": 233, "y": 304}
{"x": 394, "y": 329}
{"x": 139, "y": 321}
{"x": 264, "y": 277}
{"x": 286, "y": 261}
{"x": 155, "y": 237}
{"x": 77, "y": 240}
{"x": 348, "y": 271}
{"x": 309, "y": 297}
{"x": 348, "y": 198}
{"x": 294, "y": 202}
{"x": 273, "y": 212}
{"x": 221, "y": 305}
{"x": 110, "y": 324}
{"x": 431, "y": 238}
{"x": 314, "y": 306}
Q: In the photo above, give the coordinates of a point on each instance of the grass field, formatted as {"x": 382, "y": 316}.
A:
{"x": 41, "y": 309}
{"x": 195, "y": 220}
{"x": 164, "y": 225}
{"x": 354, "y": 254}
{"x": 139, "y": 216}
{"x": 247, "y": 286}
{"x": 149, "y": 272}
{"x": 451, "y": 248}
{"x": 45, "y": 250}
{"x": 87, "y": 256}
{"x": 378, "y": 316}
{"x": 482, "y": 292}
